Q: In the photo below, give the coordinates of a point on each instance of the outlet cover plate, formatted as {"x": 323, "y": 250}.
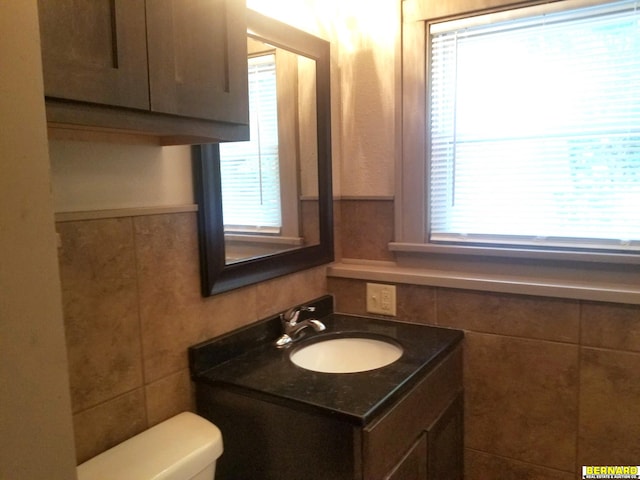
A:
{"x": 381, "y": 299}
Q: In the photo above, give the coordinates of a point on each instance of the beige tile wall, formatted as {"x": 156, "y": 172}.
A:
{"x": 365, "y": 229}
{"x": 550, "y": 384}
{"x": 132, "y": 307}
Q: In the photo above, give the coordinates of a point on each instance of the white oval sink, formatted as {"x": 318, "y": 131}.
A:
{"x": 346, "y": 355}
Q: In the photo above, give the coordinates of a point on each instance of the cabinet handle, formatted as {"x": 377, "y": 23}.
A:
{"x": 114, "y": 35}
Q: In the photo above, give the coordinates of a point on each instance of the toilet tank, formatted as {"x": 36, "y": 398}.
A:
{"x": 185, "y": 447}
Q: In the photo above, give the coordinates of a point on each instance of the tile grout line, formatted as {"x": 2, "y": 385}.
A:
{"x": 436, "y": 304}
{"x": 523, "y": 462}
{"x": 517, "y": 337}
{"x": 109, "y": 400}
{"x": 139, "y": 314}
{"x": 579, "y": 388}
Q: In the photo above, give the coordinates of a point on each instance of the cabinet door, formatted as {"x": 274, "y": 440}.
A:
{"x": 95, "y": 51}
{"x": 445, "y": 460}
{"x": 413, "y": 465}
{"x": 198, "y": 58}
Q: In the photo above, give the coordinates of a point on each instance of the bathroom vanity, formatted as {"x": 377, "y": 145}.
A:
{"x": 403, "y": 421}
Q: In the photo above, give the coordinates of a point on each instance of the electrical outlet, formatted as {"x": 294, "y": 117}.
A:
{"x": 381, "y": 299}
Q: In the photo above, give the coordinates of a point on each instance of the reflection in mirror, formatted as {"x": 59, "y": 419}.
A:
{"x": 265, "y": 205}
{"x": 270, "y": 183}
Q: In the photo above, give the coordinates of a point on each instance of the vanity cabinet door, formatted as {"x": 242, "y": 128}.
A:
{"x": 445, "y": 438}
{"x": 95, "y": 51}
{"x": 437, "y": 454}
{"x": 387, "y": 439}
{"x": 413, "y": 466}
{"x": 198, "y": 59}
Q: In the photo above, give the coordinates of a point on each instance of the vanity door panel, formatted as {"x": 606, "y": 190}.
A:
{"x": 445, "y": 437}
{"x": 414, "y": 464}
{"x": 387, "y": 439}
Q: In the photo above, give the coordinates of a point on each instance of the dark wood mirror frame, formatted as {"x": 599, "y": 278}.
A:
{"x": 216, "y": 275}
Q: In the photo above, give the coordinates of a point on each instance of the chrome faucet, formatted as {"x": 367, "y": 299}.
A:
{"x": 292, "y": 327}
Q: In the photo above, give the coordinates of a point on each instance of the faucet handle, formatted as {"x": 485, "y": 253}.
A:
{"x": 292, "y": 314}
{"x": 291, "y": 327}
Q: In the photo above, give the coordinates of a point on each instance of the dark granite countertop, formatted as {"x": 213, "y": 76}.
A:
{"x": 249, "y": 363}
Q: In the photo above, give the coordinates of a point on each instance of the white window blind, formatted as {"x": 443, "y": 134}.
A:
{"x": 250, "y": 170}
{"x": 534, "y": 130}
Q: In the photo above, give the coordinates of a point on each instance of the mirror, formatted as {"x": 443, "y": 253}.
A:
{"x": 265, "y": 206}
{"x": 270, "y": 183}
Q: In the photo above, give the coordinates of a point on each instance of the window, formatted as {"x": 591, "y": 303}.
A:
{"x": 563, "y": 152}
{"x": 250, "y": 170}
{"x": 533, "y": 129}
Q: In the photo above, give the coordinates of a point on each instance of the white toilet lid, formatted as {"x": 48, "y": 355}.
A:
{"x": 176, "y": 449}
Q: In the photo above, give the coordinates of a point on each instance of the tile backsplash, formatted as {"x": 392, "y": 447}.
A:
{"x": 550, "y": 384}
{"x": 132, "y": 306}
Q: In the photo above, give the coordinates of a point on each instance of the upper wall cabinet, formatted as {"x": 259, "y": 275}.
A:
{"x": 175, "y": 69}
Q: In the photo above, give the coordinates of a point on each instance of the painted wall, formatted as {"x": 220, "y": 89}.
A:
{"x": 99, "y": 175}
{"x": 36, "y": 438}
{"x": 363, "y": 38}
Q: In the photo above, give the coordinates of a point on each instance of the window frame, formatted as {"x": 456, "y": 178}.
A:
{"x": 287, "y": 111}
{"x": 499, "y": 265}
{"x": 253, "y": 228}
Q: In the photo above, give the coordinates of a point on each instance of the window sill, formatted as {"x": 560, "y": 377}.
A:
{"x": 587, "y": 288}
{"x": 518, "y": 253}
{"x": 263, "y": 239}
{"x": 243, "y": 247}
